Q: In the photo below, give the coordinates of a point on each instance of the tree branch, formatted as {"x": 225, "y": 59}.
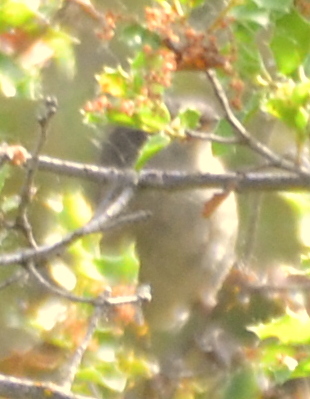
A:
{"x": 104, "y": 221}
{"x": 22, "y": 221}
{"x": 143, "y": 293}
{"x": 244, "y": 135}
{"x": 19, "y": 388}
{"x": 167, "y": 180}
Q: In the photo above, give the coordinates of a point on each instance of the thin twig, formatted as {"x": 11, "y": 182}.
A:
{"x": 26, "y": 192}
{"x": 103, "y": 222}
{"x": 245, "y": 136}
{"x": 214, "y": 138}
{"x": 71, "y": 367}
{"x": 284, "y": 287}
{"x": 20, "y": 388}
{"x": 141, "y": 295}
{"x": 101, "y": 310}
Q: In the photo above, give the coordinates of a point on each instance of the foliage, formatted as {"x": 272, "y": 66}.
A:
{"x": 28, "y": 40}
{"x": 246, "y": 43}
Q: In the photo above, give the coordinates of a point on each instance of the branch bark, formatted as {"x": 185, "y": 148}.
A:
{"x": 19, "y": 388}
{"x": 168, "y": 180}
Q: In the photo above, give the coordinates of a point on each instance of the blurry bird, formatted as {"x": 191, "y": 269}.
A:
{"x": 184, "y": 256}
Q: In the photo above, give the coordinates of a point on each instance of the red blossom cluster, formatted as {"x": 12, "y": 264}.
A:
{"x": 182, "y": 48}
{"x": 162, "y": 20}
{"x": 154, "y": 78}
{"x": 193, "y": 49}
{"x": 98, "y": 105}
{"x": 107, "y": 31}
{"x": 198, "y": 53}
{"x": 161, "y": 75}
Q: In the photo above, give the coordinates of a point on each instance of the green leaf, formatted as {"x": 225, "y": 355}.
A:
{"x": 249, "y": 12}
{"x": 249, "y": 61}
{"x": 76, "y": 210}
{"x": 192, "y": 3}
{"x": 278, "y": 360}
{"x": 300, "y": 202}
{"x": 154, "y": 145}
{"x": 14, "y": 81}
{"x": 189, "y": 118}
{"x": 139, "y": 62}
{"x": 278, "y": 5}
{"x": 242, "y": 385}
{"x": 84, "y": 262}
{"x": 292, "y": 328}
{"x": 116, "y": 117}
{"x": 153, "y": 120}
{"x": 15, "y": 13}
{"x": 137, "y": 365}
{"x": 290, "y": 42}
{"x": 289, "y": 102}
{"x": 62, "y": 44}
{"x": 120, "y": 268}
{"x": 113, "y": 82}
{"x": 107, "y": 375}
{"x": 303, "y": 368}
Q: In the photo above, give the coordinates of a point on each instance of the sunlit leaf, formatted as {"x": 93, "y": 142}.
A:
{"x": 137, "y": 364}
{"x": 15, "y": 13}
{"x": 120, "y": 118}
{"x": 76, "y": 210}
{"x": 290, "y": 32}
{"x": 62, "y": 274}
{"x": 63, "y": 52}
{"x": 192, "y": 3}
{"x": 85, "y": 260}
{"x": 249, "y": 12}
{"x": 300, "y": 202}
{"x": 291, "y": 328}
{"x": 122, "y": 267}
{"x": 154, "y": 145}
{"x": 108, "y": 376}
{"x": 278, "y": 5}
{"x": 49, "y": 313}
{"x": 108, "y": 347}
{"x": 153, "y": 120}
{"x": 249, "y": 61}
{"x": 189, "y": 118}
{"x": 113, "y": 81}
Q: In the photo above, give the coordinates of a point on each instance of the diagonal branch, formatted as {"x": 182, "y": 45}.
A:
{"x": 244, "y": 135}
{"x": 70, "y": 369}
{"x": 20, "y": 388}
{"x": 106, "y": 220}
{"x": 142, "y": 295}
